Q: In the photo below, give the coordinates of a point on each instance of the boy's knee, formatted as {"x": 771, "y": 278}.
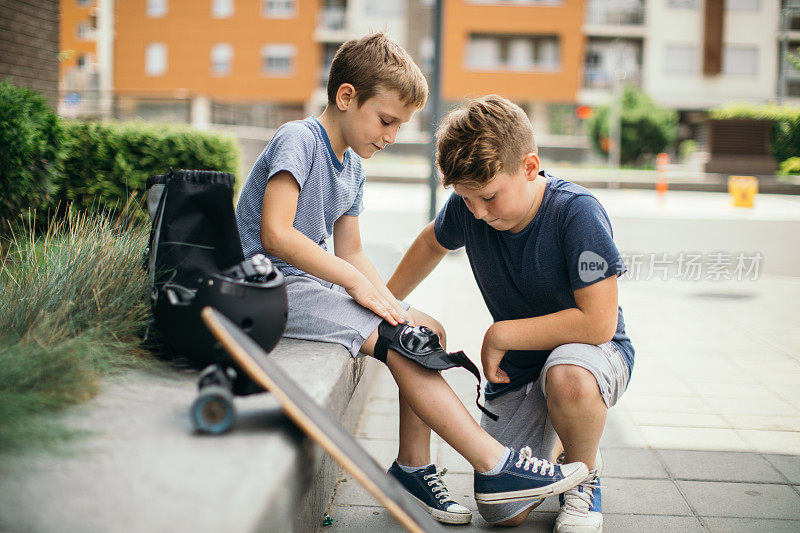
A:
{"x": 428, "y": 321}
{"x": 571, "y": 384}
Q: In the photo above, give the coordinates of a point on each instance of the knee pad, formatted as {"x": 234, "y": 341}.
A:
{"x": 421, "y": 345}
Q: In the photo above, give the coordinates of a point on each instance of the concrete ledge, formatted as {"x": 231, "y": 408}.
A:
{"x": 143, "y": 468}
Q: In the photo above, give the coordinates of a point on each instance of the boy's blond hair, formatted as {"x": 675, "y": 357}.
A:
{"x": 376, "y": 62}
{"x": 476, "y": 142}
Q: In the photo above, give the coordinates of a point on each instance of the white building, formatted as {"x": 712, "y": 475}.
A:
{"x": 660, "y": 46}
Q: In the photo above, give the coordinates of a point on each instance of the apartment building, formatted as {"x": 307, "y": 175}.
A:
{"x": 220, "y": 61}
{"x": 261, "y": 62}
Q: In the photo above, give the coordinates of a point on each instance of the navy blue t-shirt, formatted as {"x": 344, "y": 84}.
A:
{"x": 567, "y": 246}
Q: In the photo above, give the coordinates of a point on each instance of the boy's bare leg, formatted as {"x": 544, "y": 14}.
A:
{"x": 414, "y": 448}
{"x": 577, "y": 411}
{"x": 436, "y": 405}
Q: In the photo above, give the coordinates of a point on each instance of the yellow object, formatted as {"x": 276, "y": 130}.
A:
{"x": 743, "y": 189}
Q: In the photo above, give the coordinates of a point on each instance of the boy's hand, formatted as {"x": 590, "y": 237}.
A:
{"x": 491, "y": 355}
{"x": 365, "y": 293}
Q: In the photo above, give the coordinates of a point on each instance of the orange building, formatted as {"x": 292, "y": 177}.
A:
{"x": 245, "y": 50}
{"x": 524, "y": 51}
{"x": 77, "y": 69}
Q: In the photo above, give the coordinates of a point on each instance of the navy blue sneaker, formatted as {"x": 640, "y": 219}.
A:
{"x": 525, "y": 477}
{"x": 425, "y": 485}
{"x": 581, "y": 507}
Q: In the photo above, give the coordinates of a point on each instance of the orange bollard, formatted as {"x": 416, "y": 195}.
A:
{"x": 662, "y": 185}
{"x": 743, "y": 190}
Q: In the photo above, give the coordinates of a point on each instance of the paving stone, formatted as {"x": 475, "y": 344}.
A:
{"x": 383, "y": 406}
{"x": 631, "y": 463}
{"x": 788, "y": 465}
{"x": 350, "y": 492}
{"x": 719, "y": 466}
{"x": 701, "y": 420}
{"x": 384, "y": 451}
{"x": 736, "y": 525}
{"x": 621, "y": 433}
{"x": 636, "y": 523}
{"x": 742, "y": 500}
{"x": 729, "y": 390}
{"x": 751, "y": 406}
{"x": 660, "y": 437}
{"x": 779, "y": 442}
{"x": 643, "y": 496}
{"x": 354, "y": 519}
{"x": 669, "y": 404}
{"x": 764, "y": 422}
{"x": 378, "y": 426}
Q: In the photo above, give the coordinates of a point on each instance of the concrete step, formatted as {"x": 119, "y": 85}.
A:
{"x": 142, "y": 467}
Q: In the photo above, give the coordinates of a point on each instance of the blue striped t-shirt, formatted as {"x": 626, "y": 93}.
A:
{"x": 329, "y": 188}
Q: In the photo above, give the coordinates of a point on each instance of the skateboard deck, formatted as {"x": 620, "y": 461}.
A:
{"x": 318, "y": 424}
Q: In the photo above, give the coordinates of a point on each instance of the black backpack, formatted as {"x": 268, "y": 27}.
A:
{"x": 195, "y": 259}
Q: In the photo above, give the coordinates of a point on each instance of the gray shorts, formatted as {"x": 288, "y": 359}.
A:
{"x": 523, "y": 417}
{"x": 323, "y": 311}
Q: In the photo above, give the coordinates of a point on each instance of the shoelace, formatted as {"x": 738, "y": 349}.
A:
{"x": 437, "y": 485}
{"x": 578, "y": 502}
{"x": 528, "y": 461}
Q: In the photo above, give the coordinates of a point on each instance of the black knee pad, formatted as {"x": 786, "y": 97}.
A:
{"x": 421, "y": 344}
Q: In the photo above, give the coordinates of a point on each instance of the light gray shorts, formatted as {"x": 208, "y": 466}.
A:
{"x": 523, "y": 417}
{"x": 323, "y": 311}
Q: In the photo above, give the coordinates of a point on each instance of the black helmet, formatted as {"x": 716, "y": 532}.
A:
{"x": 251, "y": 294}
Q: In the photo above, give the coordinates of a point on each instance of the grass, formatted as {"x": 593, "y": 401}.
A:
{"x": 73, "y": 309}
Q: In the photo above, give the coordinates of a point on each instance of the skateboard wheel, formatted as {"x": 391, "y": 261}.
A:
{"x": 213, "y": 411}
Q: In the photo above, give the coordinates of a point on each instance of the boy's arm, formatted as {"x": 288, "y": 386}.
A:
{"x": 347, "y": 246}
{"x": 280, "y": 238}
{"x": 419, "y": 261}
{"x": 593, "y": 321}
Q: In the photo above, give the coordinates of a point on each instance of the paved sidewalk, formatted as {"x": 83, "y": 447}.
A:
{"x": 707, "y": 437}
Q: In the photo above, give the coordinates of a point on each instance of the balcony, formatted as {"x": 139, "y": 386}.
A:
{"x": 331, "y": 24}
{"x": 614, "y": 18}
{"x": 600, "y": 79}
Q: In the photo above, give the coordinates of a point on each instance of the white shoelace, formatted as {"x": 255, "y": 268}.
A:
{"x": 437, "y": 486}
{"x": 578, "y": 503}
{"x": 528, "y": 461}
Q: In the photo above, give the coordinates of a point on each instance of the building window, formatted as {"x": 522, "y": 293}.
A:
{"x": 156, "y": 8}
{"x": 84, "y": 3}
{"x": 682, "y": 4}
{"x": 517, "y": 52}
{"x": 84, "y": 31}
{"x": 278, "y": 59}
{"x": 221, "y": 59}
{"x": 278, "y": 9}
{"x": 155, "y": 59}
{"x": 517, "y": 2}
{"x": 743, "y": 5}
{"x": 740, "y": 60}
{"x": 681, "y": 59}
{"x": 221, "y": 9}
{"x": 85, "y": 62}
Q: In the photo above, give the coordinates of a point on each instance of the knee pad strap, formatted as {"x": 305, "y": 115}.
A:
{"x": 421, "y": 344}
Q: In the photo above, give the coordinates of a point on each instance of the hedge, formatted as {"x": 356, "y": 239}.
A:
{"x": 106, "y": 162}
{"x": 30, "y": 150}
{"x": 785, "y": 130}
{"x": 46, "y": 162}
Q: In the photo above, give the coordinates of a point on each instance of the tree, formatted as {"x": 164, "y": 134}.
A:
{"x": 646, "y": 129}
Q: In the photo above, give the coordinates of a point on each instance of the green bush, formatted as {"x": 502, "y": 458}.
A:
{"x": 107, "y": 162}
{"x": 73, "y": 309}
{"x": 785, "y": 136}
{"x": 790, "y": 167}
{"x": 646, "y": 128}
{"x": 30, "y": 151}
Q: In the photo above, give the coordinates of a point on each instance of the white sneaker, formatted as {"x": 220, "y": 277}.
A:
{"x": 581, "y": 509}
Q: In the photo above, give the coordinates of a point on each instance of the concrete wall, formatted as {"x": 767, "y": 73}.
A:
{"x": 29, "y": 44}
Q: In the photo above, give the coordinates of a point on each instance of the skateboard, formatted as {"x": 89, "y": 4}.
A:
{"x": 318, "y": 424}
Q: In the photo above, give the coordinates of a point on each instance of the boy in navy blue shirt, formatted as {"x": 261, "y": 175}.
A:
{"x": 541, "y": 250}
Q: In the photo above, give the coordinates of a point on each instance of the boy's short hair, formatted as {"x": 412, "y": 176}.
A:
{"x": 476, "y": 142}
{"x": 374, "y": 62}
